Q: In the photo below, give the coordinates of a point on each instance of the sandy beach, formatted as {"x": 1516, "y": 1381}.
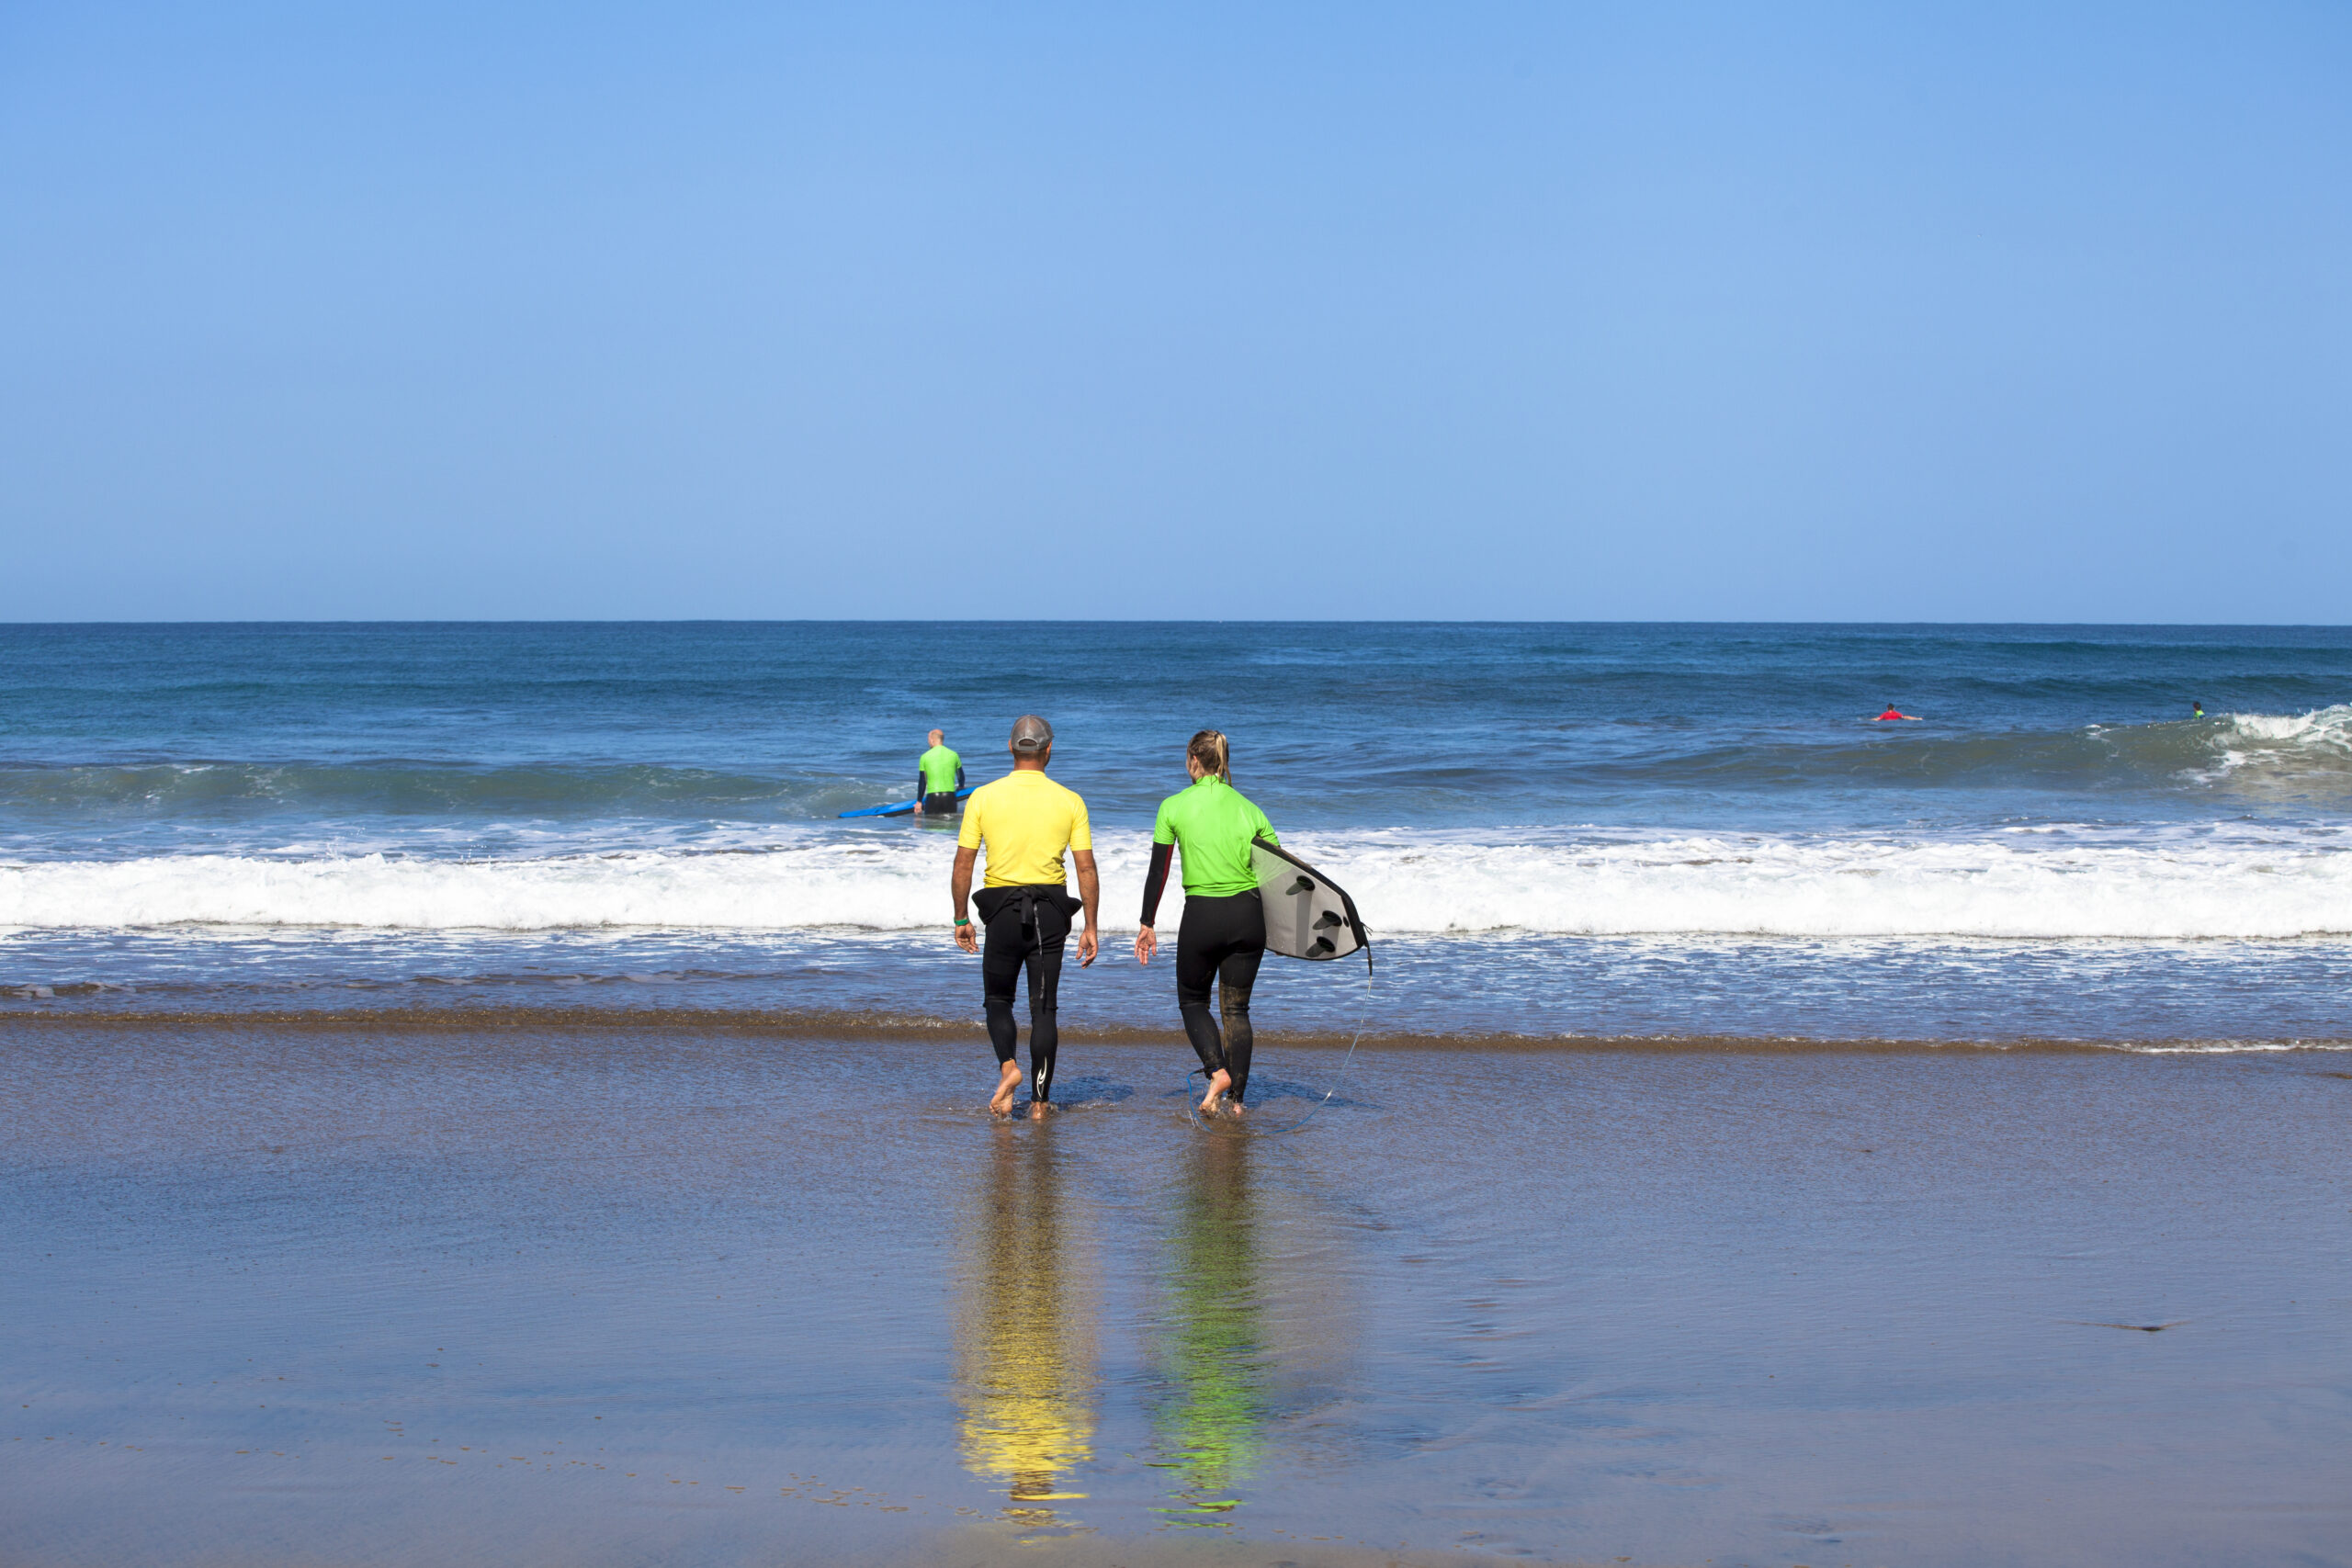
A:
{"x": 376, "y": 1296}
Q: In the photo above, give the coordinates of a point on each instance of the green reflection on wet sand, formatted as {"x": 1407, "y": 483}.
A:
{"x": 1210, "y": 1419}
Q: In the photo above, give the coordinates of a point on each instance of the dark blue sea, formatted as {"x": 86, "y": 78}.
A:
{"x": 1602, "y": 831}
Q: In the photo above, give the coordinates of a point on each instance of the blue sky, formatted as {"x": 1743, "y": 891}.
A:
{"x": 1652, "y": 312}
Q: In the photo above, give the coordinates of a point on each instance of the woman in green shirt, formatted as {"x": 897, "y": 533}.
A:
{"x": 1224, "y": 934}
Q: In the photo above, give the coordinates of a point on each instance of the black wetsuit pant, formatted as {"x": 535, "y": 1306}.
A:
{"x": 942, "y": 804}
{"x": 1025, "y": 934}
{"x": 1221, "y": 940}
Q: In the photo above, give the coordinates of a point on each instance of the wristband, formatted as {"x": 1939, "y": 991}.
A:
{"x": 963, "y": 923}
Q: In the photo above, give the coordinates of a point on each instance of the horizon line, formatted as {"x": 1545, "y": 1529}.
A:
{"x": 1130, "y": 621}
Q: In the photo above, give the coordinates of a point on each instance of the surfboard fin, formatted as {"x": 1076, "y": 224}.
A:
{"x": 1306, "y": 915}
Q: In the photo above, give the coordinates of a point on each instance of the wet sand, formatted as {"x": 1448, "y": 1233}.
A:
{"x": 381, "y": 1295}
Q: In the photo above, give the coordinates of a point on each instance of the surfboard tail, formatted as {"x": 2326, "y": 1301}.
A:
{"x": 1307, "y": 915}
{"x": 900, "y": 809}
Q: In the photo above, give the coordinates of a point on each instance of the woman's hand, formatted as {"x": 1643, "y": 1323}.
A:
{"x": 1146, "y": 944}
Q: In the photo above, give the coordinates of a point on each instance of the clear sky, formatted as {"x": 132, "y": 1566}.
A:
{"x": 1977, "y": 312}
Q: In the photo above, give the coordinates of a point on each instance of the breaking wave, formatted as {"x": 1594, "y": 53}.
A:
{"x": 2282, "y": 755}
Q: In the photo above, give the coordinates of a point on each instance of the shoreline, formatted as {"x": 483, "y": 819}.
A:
{"x": 821, "y": 1025}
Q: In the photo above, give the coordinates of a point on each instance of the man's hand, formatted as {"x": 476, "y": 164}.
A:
{"x": 1146, "y": 944}
{"x": 959, "y": 885}
{"x": 1088, "y": 945}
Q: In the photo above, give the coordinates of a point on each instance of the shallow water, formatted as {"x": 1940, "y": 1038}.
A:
{"x": 617, "y": 1295}
{"x": 2124, "y": 995}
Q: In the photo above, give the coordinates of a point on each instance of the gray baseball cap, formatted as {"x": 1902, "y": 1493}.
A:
{"x": 1030, "y": 733}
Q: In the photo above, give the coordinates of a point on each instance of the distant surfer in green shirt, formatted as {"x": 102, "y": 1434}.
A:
{"x": 939, "y": 773}
{"x": 1223, "y": 934}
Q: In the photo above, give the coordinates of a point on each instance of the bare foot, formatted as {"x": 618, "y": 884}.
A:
{"x": 1000, "y": 1103}
{"x": 1236, "y": 1109}
{"x": 1219, "y": 1081}
{"x": 1036, "y": 1111}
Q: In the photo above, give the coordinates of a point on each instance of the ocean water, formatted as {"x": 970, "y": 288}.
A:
{"x": 1551, "y": 830}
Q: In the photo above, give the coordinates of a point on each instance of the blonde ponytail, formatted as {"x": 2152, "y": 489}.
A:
{"x": 1213, "y": 752}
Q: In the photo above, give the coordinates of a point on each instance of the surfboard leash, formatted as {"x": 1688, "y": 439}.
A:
{"x": 1363, "y": 1026}
{"x": 1363, "y": 1022}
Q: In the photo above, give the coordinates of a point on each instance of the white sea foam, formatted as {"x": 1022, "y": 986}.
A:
{"x": 2010, "y": 885}
{"x": 2068, "y": 883}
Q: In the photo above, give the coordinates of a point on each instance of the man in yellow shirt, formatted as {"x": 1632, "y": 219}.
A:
{"x": 1026, "y": 820}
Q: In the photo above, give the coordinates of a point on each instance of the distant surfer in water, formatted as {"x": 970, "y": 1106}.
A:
{"x": 1892, "y": 713}
{"x": 2196, "y": 710}
{"x": 939, "y": 778}
{"x": 1026, "y": 820}
{"x": 1223, "y": 934}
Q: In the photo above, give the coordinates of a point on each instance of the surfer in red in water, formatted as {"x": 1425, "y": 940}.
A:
{"x": 1892, "y": 713}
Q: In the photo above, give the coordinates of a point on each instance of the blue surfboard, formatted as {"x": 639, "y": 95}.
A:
{"x": 904, "y": 808}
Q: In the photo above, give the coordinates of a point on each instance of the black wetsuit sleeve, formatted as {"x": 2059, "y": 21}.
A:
{"x": 959, "y": 776}
{"x": 1155, "y": 882}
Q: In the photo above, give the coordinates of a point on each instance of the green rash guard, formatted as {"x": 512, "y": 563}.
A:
{"x": 938, "y": 767}
{"x": 1213, "y": 823}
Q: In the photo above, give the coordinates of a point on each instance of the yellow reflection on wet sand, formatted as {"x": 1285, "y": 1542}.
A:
{"x": 1025, "y": 1359}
